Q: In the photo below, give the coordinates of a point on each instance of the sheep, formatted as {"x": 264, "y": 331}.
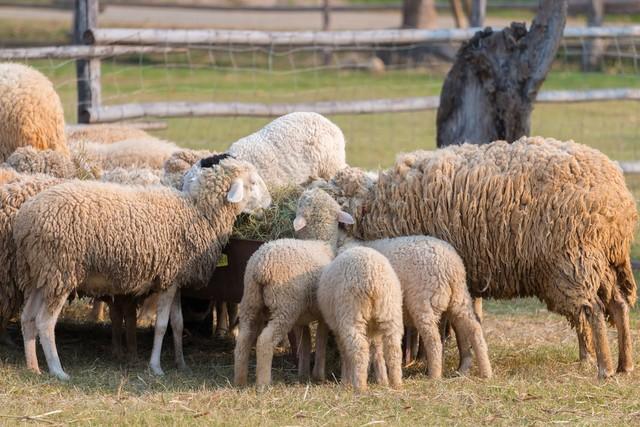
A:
{"x": 105, "y": 133}
{"x": 145, "y": 239}
{"x": 30, "y": 111}
{"x": 294, "y": 148}
{"x": 54, "y": 163}
{"x": 537, "y": 217}
{"x": 179, "y": 163}
{"x": 142, "y": 176}
{"x": 360, "y": 299}
{"x": 432, "y": 277}
{"x": 8, "y": 175}
{"x": 130, "y": 153}
{"x": 12, "y": 196}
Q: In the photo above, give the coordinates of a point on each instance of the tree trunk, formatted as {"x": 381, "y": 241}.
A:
{"x": 593, "y": 48}
{"x": 457, "y": 9}
{"x": 489, "y": 92}
{"x": 419, "y": 14}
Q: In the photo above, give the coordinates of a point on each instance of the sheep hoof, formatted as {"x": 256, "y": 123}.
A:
{"x": 603, "y": 374}
{"x": 157, "y": 370}
{"x": 61, "y": 375}
{"x": 182, "y": 367}
{"x": 625, "y": 369}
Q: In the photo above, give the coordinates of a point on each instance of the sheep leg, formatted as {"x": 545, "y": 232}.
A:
{"x": 356, "y": 347}
{"x": 430, "y": 333}
{"x": 322, "y": 334}
{"x": 268, "y": 340}
{"x": 222, "y": 319}
{"x": 97, "y": 310}
{"x": 131, "y": 324}
{"x": 29, "y": 331}
{"x": 177, "y": 327}
{"x": 415, "y": 345}
{"x": 586, "y": 348}
{"x": 599, "y": 328}
{"x": 5, "y": 339}
{"x": 248, "y": 330}
{"x": 379, "y": 365}
{"x": 345, "y": 363}
{"x": 469, "y": 332}
{"x": 165, "y": 300}
{"x": 46, "y": 322}
{"x": 408, "y": 335}
{"x": 464, "y": 347}
{"x": 620, "y": 312}
{"x": 304, "y": 354}
{"x": 477, "y": 308}
{"x": 116, "y": 316}
{"x": 393, "y": 356}
{"x": 232, "y": 311}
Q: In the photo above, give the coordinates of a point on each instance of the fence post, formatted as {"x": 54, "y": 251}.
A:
{"x": 87, "y": 71}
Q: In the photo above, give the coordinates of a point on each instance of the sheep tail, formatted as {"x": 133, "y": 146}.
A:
{"x": 626, "y": 282}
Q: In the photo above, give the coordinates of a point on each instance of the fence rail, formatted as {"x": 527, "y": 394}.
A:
{"x": 149, "y": 36}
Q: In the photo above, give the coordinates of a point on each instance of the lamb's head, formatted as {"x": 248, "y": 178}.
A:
{"x": 179, "y": 163}
{"x": 222, "y": 174}
{"x": 318, "y": 217}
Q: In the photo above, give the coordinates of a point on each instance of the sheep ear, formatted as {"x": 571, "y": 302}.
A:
{"x": 345, "y": 218}
{"x": 236, "y": 192}
{"x": 299, "y": 223}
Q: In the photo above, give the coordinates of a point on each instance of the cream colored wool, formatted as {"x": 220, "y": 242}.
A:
{"x": 143, "y": 176}
{"x": 538, "y": 217}
{"x": 432, "y": 277}
{"x": 30, "y": 111}
{"x": 360, "y": 298}
{"x": 107, "y": 133}
{"x": 179, "y": 163}
{"x": 130, "y": 153}
{"x": 8, "y": 175}
{"x": 54, "y": 163}
{"x": 279, "y": 288}
{"x": 12, "y": 196}
{"x": 293, "y": 149}
{"x": 144, "y": 239}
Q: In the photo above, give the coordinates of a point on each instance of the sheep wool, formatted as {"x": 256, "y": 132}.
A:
{"x": 538, "y": 217}
{"x": 143, "y": 176}
{"x": 179, "y": 163}
{"x": 130, "y": 153}
{"x": 144, "y": 239}
{"x": 107, "y": 133}
{"x": 294, "y": 148}
{"x": 30, "y": 111}
{"x": 360, "y": 298}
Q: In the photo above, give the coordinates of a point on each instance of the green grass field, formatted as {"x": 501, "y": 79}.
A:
{"x": 533, "y": 352}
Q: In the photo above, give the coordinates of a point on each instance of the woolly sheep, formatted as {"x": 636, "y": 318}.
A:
{"x": 179, "y": 163}
{"x": 105, "y": 133}
{"x": 30, "y": 111}
{"x": 538, "y": 217}
{"x": 143, "y": 176}
{"x": 49, "y": 162}
{"x": 130, "y": 153}
{"x": 433, "y": 281}
{"x": 12, "y": 197}
{"x": 294, "y": 148}
{"x": 145, "y": 239}
{"x": 360, "y": 299}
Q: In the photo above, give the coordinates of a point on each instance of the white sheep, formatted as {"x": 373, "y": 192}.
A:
{"x": 144, "y": 239}
{"x": 129, "y": 153}
{"x": 360, "y": 299}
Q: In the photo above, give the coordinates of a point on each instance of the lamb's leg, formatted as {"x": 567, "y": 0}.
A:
{"x": 97, "y": 310}
{"x": 379, "y": 365}
{"x": 177, "y": 327}
{"x": 469, "y": 332}
{"x": 393, "y": 355}
{"x": 620, "y": 312}
{"x": 599, "y": 328}
{"x": 346, "y": 366}
{"x": 131, "y": 325}
{"x": 268, "y": 340}
{"x": 222, "y": 319}
{"x": 407, "y": 341}
{"x": 428, "y": 329}
{"x": 5, "y": 339}
{"x": 165, "y": 300}
{"x": 586, "y": 347}
{"x": 232, "y": 311}
{"x": 464, "y": 347}
{"x": 477, "y": 308}
{"x": 248, "y": 330}
{"x": 304, "y": 354}
{"x": 415, "y": 345}
{"x": 116, "y": 316}
{"x": 29, "y": 331}
{"x": 322, "y": 334}
{"x": 46, "y": 322}
{"x": 356, "y": 347}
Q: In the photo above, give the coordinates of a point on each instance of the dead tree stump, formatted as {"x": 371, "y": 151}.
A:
{"x": 489, "y": 92}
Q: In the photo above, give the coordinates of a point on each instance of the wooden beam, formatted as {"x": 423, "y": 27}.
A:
{"x": 81, "y": 51}
{"x": 87, "y": 70}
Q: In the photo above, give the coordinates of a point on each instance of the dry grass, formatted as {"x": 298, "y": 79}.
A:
{"x": 537, "y": 381}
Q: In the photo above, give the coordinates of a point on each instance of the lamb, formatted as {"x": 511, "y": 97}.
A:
{"x": 30, "y": 111}
{"x": 12, "y": 197}
{"x": 145, "y": 239}
{"x": 433, "y": 281}
{"x": 130, "y": 153}
{"x": 360, "y": 298}
{"x": 293, "y": 149}
{"x": 538, "y": 217}
{"x": 179, "y": 163}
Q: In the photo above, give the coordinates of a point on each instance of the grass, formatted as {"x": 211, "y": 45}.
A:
{"x": 533, "y": 352}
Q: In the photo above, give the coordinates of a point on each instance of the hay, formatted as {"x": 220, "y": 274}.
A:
{"x": 275, "y": 222}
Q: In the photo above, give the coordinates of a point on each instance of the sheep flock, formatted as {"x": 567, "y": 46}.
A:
{"x": 111, "y": 213}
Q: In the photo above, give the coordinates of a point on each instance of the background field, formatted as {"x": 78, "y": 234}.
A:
{"x": 533, "y": 352}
